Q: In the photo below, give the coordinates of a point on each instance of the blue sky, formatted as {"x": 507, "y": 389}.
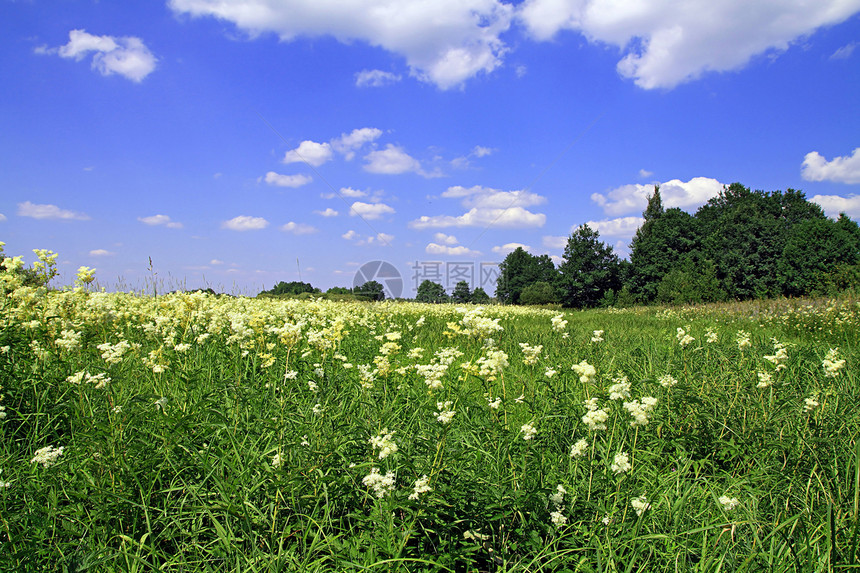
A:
{"x": 238, "y": 144}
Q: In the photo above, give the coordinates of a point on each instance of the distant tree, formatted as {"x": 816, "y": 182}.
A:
{"x": 663, "y": 243}
{"x": 428, "y": 291}
{"x": 590, "y": 268}
{"x": 371, "y": 290}
{"x": 339, "y": 290}
{"x": 540, "y": 292}
{"x": 480, "y": 296}
{"x": 291, "y": 288}
{"x": 745, "y": 234}
{"x": 815, "y": 249}
{"x": 461, "y": 293}
{"x": 520, "y": 269}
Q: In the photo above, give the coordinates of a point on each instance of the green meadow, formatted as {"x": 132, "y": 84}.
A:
{"x": 191, "y": 432}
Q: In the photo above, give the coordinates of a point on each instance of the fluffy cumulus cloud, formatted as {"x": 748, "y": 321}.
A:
{"x": 633, "y": 198}
{"x": 839, "y": 169}
{"x": 444, "y": 42}
{"x": 392, "y": 160}
{"x": 510, "y": 248}
{"x": 349, "y": 143}
{"x": 554, "y": 242}
{"x": 160, "y": 220}
{"x": 45, "y": 211}
{"x": 835, "y": 204}
{"x": 245, "y": 223}
{"x": 309, "y": 152}
{"x": 293, "y": 181}
{"x": 667, "y": 43}
{"x": 375, "y": 78}
{"x": 453, "y": 251}
{"x": 329, "y": 212}
{"x": 298, "y": 228}
{"x": 487, "y": 207}
{"x": 620, "y": 227}
{"x": 126, "y": 56}
{"x": 2, "y": 217}
{"x": 370, "y": 210}
{"x": 444, "y": 239}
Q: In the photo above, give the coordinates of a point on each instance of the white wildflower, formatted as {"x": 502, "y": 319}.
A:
{"x": 640, "y": 504}
{"x": 683, "y": 338}
{"x": 743, "y": 339}
{"x": 728, "y": 503}
{"x": 620, "y": 390}
{"x": 529, "y": 431}
{"x": 832, "y": 363}
{"x": 641, "y": 411}
{"x": 422, "y": 485}
{"x": 711, "y": 336}
{"x": 318, "y": 409}
{"x": 445, "y": 414}
{"x": 557, "y": 498}
{"x": 550, "y": 372}
{"x": 47, "y": 456}
{"x": 557, "y": 518}
{"x": 494, "y": 403}
{"x": 384, "y": 442}
{"x": 597, "y": 336}
{"x": 381, "y": 485}
{"x": 667, "y": 381}
{"x": 586, "y": 371}
{"x": 578, "y": 449}
{"x": 811, "y": 403}
{"x": 277, "y": 461}
{"x": 621, "y": 463}
{"x": 765, "y": 379}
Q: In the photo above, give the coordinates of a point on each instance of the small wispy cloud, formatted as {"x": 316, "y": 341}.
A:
{"x": 126, "y": 56}
{"x": 375, "y": 78}
{"x": 160, "y": 220}
{"x": 46, "y": 211}
{"x": 298, "y": 228}
{"x": 101, "y": 253}
{"x": 245, "y": 223}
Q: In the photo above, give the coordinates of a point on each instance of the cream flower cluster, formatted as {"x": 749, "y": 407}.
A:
{"x": 832, "y": 363}
{"x": 620, "y": 389}
{"x": 558, "y": 323}
{"x": 586, "y": 372}
{"x": 381, "y": 485}
{"x": 529, "y": 431}
{"x": 384, "y": 442}
{"x": 640, "y": 504}
{"x": 596, "y": 417}
{"x": 641, "y": 410}
{"x": 683, "y": 337}
{"x": 621, "y": 463}
{"x": 422, "y": 485}
{"x": 531, "y": 354}
{"x": 47, "y": 456}
{"x": 445, "y": 414}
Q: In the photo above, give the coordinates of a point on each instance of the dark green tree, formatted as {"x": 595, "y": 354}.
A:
{"x": 539, "y": 293}
{"x": 339, "y": 290}
{"x": 663, "y": 243}
{"x": 291, "y": 288}
{"x": 461, "y": 293}
{"x": 745, "y": 234}
{"x": 371, "y": 290}
{"x": 480, "y": 296}
{"x": 520, "y": 269}
{"x": 814, "y": 250}
{"x": 428, "y": 291}
{"x": 589, "y": 270}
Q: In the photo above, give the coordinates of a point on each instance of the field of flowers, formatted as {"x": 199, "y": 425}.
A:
{"x": 191, "y": 432}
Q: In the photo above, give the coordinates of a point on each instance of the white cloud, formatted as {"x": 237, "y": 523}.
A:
{"x": 444, "y": 42}
{"x": 621, "y": 227}
{"x": 445, "y": 239}
{"x": 329, "y": 212}
{"x": 487, "y": 207}
{"x": 479, "y": 151}
{"x": 298, "y": 228}
{"x": 101, "y": 253}
{"x": 553, "y": 242}
{"x": 293, "y": 181}
{"x": 375, "y": 78}
{"x": 353, "y": 193}
{"x": 155, "y": 220}
{"x": 2, "y": 217}
{"x": 391, "y": 161}
{"x": 645, "y": 174}
{"x": 126, "y": 56}
{"x": 460, "y": 251}
{"x": 675, "y": 193}
{"x": 835, "y": 204}
{"x": 370, "y": 210}
{"x": 37, "y": 211}
{"x": 245, "y": 223}
{"x": 840, "y": 169}
{"x": 844, "y": 52}
{"x": 510, "y": 247}
{"x": 513, "y": 218}
{"x": 349, "y": 143}
{"x": 216, "y": 262}
{"x": 309, "y": 152}
{"x": 360, "y": 241}
{"x": 668, "y": 43}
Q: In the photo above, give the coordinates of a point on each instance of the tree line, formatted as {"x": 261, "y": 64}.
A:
{"x": 740, "y": 245}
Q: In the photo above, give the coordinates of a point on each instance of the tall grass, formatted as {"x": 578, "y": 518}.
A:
{"x": 235, "y": 435}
